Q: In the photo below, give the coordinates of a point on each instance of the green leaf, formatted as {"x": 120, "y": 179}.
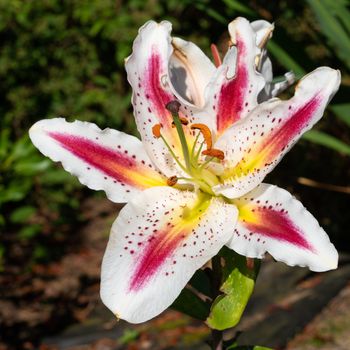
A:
{"x": 40, "y": 252}
{"x": 237, "y": 287}
{"x": 342, "y": 111}
{"x": 285, "y": 59}
{"x": 31, "y": 166}
{"x": 22, "y": 148}
{"x": 326, "y": 140}
{"x": 2, "y": 220}
{"x": 332, "y": 28}
{"x": 190, "y": 304}
{"x": 128, "y": 336}
{"x": 22, "y": 214}
{"x": 15, "y": 190}
{"x": 237, "y": 6}
{"x": 4, "y": 142}
{"x": 55, "y": 176}
{"x": 212, "y": 13}
{"x": 29, "y": 231}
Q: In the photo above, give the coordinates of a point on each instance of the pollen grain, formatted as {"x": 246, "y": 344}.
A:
{"x": 156, "y": 130}
{"x": 216, "y": 153}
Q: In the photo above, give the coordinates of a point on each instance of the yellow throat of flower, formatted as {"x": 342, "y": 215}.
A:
{"x": 201, "y": 173}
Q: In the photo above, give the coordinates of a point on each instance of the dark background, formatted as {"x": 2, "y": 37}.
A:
{"x": 65, "y": 58}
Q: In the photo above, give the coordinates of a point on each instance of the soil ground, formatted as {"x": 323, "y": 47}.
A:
{"x": 57, "y": 306}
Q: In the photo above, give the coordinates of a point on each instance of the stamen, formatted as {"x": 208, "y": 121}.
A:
{"x": 172, "y": 153}
{"x": 199, "y": 152}
{"x": 214, "y": 153}
{"x": 156, "y": 130}
{"x": 171, "y": 181}
{"x": 216, "y": 55}
{"x": 205, "y": 132}
{"x": 183, "y": 121}
{"x": 203, "y": 165}
{"x": 173, "y": 107}
{"x": 194, "y": 146}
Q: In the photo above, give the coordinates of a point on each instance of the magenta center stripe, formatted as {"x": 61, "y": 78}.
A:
{"x": 295, "y": 123}
{"x": 276, "y": 225}
{"x": 155, "y": 92}
{"x": 232, "y": 94}
{"x": 160, "y": 247}
{"x": 108, "y": 161}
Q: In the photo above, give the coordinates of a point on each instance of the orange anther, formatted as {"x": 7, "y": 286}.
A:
{"x": 205, "y": 132}
{"x": 216, "y": 55}
{"x": 156, "y": 130}
{"x": 171, "y": 181}
{"x": 183, "y": 121}
{"x": 214, "y": 153}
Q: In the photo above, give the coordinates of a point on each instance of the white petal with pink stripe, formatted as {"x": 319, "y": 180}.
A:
{"x": 235, "y": 87}
{"x": 254, "y": 146}
{"x": 271, "y": 220}
{"x": 107, "y": 160}
{"x": 158, "y": 241}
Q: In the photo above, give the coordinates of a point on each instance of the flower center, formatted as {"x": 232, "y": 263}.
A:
{"x": 202, "y": 171}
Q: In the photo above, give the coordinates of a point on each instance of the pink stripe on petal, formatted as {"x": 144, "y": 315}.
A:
{"x": 154, "y": 91}
{"x": 276, "y": 225}
{"x": 160, "y": 248}
{"x": 298, "y": 119}
{"x": 272, "y": 220}
{"x": 116, "y": 164}
{"x": 232, "y": 95}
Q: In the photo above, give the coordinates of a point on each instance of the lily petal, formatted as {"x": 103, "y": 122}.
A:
{"x": 147, "y": 71}
{"x": 236, "y": 85}
{"x": 190, "y": 71}
{"x": 106, "y": 160}
{"x": 263, "y": 30}
{"x": 254, "y": 146}
{"x": 157, "y": 243}
{"x": 271, "y": 220}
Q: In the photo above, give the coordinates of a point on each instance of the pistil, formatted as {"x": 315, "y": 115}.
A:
{"x": 199, "y": 175}
{"x": 173, "y": 107}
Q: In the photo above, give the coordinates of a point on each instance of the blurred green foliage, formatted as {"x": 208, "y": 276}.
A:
{"x": 66, "y": 58}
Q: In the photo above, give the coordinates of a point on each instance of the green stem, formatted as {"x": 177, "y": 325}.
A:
{"x": 173, "y": 154}
{"x": 198, "y": 152}
{"x": 216, "y": 335}
{"x": 206, "y": 163}
{"x": 183, "y": 141}
{"x": 194, "y": 146}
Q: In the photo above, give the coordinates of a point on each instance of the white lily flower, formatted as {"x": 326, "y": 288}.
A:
{"x": 193, "y": 182}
